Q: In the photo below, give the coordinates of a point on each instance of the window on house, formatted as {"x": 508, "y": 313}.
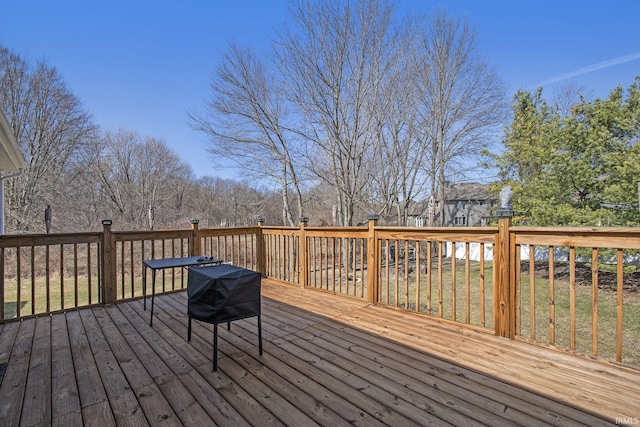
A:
{"x": 460, "y": 220}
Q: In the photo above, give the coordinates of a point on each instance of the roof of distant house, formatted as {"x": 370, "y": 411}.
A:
{"x": 467, "y": 192}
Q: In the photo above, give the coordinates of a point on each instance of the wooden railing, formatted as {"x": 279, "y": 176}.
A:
{"x": 125, "y": 251}
{"x": 579, "y": 291}
{"x": 417, "y": 272}
{"x": 45, "y": 273}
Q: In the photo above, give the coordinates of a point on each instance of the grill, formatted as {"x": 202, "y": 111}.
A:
{"x": 223, "y": 293}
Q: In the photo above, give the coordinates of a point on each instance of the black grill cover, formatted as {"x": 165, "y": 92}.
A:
{"x": 223, "y": 293}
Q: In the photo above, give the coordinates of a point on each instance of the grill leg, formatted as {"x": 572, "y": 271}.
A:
{"x": 189, "y": 329}
{"x": 144, "y": 285}
{"x": 215, "y": 347}
{"x": 260, "y": 334}
{"x": 153, "y": 296}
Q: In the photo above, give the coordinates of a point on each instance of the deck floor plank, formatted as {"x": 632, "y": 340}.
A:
{"x": 37, "y": 398}
{"x": 145, "y": 404}
{"x": 64, "y": 390}
{"x": 71, "y": 419}
{"x": 7, "y": 337}
{"x": 328, "y": 360}
{"x": 14, "y": 382}
{"x": 90, "y": 386}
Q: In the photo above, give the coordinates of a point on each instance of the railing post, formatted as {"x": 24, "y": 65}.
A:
{"x": 303, "y": 255}
{"x": 109, "y": 287}
{"x": 195, "y": 247}
{"x": 504, "y": 289}
{"x": 260, "y": 249}
{"x": 372, "y": 260}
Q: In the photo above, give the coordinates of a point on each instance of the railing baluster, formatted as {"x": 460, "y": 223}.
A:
{"x": 418, "y": 268}
{"x": 453, "y": 281}
{"x": 89, "y": 271}
{"x": 397, "y": 275}
{"x": 594, "y": 301}
{"x": 518, "y": 296}
{"x": 620, "y": 307}
{"x": 467, "y": 281}
{"x": 18, "y": 284}
{"x": 440, "y": 276}
{"x": 532, "y": 292}
{"x": 122, "y": 272}
{"x": 482, "y": 290}
{"x": 552, "y": 297}
{"x": 406, "y": 274}
{"x": 363, "y": 279}
{"x": 62, "y": 277}
{"x": 572, "y": 298}
{"x": 132, "y": 268}
{"x": 429, "y": 268}
{"x": 75, "y": 274}
{"x": 47, "y": 278}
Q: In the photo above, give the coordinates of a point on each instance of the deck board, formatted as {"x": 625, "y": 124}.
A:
{"x": 328, "y": 360}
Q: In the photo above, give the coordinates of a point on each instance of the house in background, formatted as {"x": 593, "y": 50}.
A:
{"x": 465, "y": 205}
{"x": 468, "y": 205}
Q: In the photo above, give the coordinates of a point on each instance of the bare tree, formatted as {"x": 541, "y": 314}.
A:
{"x": 336, "y": 58}
{"x": 51, "y": 128}
{"x": 463, "y": 101}
{"x": 139, "y": 182}
{"x": 398, "y": 175}
{"x": 568, "y": 95}
{"x": 245, "y": 119}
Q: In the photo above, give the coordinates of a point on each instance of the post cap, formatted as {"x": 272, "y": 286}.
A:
{"x": 194, "y": 220}
{"x": 373, "y": 217}
{"x": 259, "y": 219}
{"x": 505, "y": 210}
{"x": 504, "y": 213}
{"x": 304, "y": 219}
{"x": 107, "y": 222}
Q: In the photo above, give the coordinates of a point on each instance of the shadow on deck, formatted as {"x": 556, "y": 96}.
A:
{"x": 327, "y": 360}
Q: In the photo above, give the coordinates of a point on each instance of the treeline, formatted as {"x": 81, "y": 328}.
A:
{"x": 85, "y": 174}
{"x": 354, "y": 111}
{"x": 382, "y": 108}
{"x": 357, "y": 111}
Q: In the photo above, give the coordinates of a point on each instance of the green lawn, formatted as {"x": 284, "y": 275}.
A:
{"x": 87, "y": 292}
{"x": 441, "y": 304}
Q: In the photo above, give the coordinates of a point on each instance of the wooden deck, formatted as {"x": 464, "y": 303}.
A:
{"x": 327, "y": 360}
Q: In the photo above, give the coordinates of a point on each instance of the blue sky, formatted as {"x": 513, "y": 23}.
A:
{"x": 143, "y": 65}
